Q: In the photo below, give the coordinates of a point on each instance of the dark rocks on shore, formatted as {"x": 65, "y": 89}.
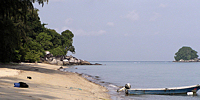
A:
{"x": 64, "y": 60}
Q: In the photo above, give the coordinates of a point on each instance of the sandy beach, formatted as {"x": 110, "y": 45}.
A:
{"x": 46, "y": 83}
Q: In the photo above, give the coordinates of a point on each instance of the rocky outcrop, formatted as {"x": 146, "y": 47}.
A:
{"x": 65, "y": 60}
{"x": 85, "y": 62}
{"x": 192, "y": 60}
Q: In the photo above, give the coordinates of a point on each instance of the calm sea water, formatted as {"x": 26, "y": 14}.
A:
{"x": 142, "y": 74}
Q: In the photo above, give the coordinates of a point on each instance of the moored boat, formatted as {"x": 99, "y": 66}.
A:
{"x": 190, "y": 90}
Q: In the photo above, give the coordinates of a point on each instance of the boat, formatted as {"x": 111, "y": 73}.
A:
{"x": 188, "y": 90}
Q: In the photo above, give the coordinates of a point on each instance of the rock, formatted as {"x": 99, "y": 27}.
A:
{"x": 65, "y": 62}
{"x": 191, "y": 60}
{"x": 50, "y": 59}
{"x": 48, "y": 55}
{"x": 42, "y": 59}
{"x": 54, "y": 61}
{"x": 85, "y": 62}
{"x": 181, "y": 60}
{"x": 72, "y": 60}
{"x": 47, "y": 52}
{"x": 97, "y": 64}
{"x": 60, "y": 63}
{"x": 59, "y": 58}
{"x": 67, "y": 57}
{"x": 60, "y": 68}
{"x": 78, "y": 60}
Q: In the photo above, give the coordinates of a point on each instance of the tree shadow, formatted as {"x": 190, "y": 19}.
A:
{"x": 34, "y": 68}
{"x": 9, "y": 92}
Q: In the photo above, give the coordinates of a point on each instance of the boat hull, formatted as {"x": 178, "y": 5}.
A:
{"x": 165, "y": 91}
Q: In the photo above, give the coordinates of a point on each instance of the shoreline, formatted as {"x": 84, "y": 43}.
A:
{"x": 111, "y": 87}
{"x": 45, "y": 84}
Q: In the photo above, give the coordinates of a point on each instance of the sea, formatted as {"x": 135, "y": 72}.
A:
{"x": 142, "y": 74}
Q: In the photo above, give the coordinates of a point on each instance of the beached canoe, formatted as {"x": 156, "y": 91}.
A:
{"x": 188, "y": 90}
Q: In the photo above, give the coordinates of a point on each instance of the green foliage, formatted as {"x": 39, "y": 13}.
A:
{"x": 13, "y": 26}
{"x": 58, "y": 51}
{"x": 33, "y": 56}
{"x": 44, "y": 40}
{"x": 67, "y": 34}
{"x": 31, "y": 47}
{"x": 56, "y": 38}
{"x": 34, "y": 24}
{"x": 67, "y": 40}
{"x": 24, "y": 38}
{"x": 8, "y": 41}
{"x": 17, "y": 56}
{"x": 185, "y": 53}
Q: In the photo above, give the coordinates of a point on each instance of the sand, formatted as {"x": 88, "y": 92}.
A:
{"x": 46, "y": 83}
{"x": 8, "y": 72}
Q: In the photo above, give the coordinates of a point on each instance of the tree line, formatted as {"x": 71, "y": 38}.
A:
{"x": 24, "y": 38}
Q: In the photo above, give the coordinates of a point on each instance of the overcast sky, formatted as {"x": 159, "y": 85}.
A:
{"x": 126, "y": 30}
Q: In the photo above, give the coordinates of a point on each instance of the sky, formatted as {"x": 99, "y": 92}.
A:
{"x": 126, "y": 30}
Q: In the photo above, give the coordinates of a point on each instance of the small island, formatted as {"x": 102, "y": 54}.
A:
{"x": 186, "y": 54}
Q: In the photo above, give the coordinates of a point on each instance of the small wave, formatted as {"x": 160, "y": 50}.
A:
{"x": 111, "y": 85}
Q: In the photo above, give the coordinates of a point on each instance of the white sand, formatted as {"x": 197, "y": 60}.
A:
{"x": 47, "y": 83}
{"x": 8, "y": 72}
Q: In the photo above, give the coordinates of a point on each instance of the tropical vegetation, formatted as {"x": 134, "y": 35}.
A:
{"x": 185, "y": 53}
{"x": 24, "y": 38}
